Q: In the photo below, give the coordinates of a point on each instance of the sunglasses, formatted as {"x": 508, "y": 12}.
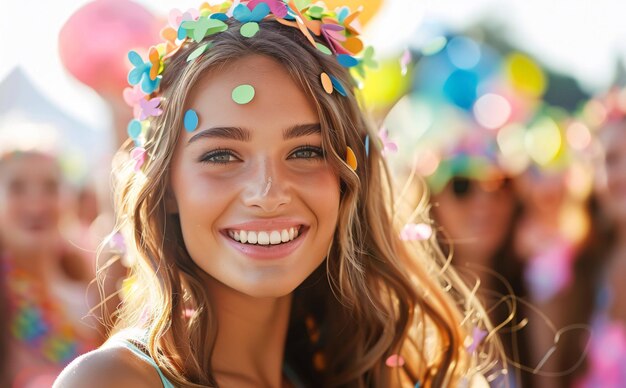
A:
{"x": 463, "y": 187}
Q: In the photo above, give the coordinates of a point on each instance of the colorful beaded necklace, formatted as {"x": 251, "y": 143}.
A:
{"x": 37, "y": 321}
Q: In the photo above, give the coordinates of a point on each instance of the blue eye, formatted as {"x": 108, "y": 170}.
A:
{"x": 307, "y": 152}
{"x": 219, "y": 157}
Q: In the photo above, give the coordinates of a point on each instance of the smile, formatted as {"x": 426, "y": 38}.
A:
{"x": 271, "y": 237}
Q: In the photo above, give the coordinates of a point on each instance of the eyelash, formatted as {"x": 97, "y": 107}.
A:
{"x": 317, "y": 150}
{"x": 207, "y": 158}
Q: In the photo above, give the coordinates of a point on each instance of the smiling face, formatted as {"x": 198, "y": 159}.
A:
{"x": 257, "y": 202}
{"x": 29, "y": 201}
{"x": 477, "y": 216}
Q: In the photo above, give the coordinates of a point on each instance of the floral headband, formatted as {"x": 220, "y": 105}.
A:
{"x": 338, "y": 28}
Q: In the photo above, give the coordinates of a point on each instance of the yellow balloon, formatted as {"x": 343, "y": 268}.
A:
{"x": 370, "y": 7}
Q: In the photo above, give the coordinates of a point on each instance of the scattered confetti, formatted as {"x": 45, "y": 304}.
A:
{"x": 138, "y": 155}
{"x": 191, "y": 120}
{"x": 367, "y": 145}
{"x": 346, "y": 60}
{"x": 243, "y": 94}
{"x": 243, "y": 14}
{"x": 323, "y": 49}
{"x": 149, "y": 108}
{"x": 405, "y": 60}
{"x": 478, "y": 335}
{"x": 351, "y": 159}
{"x": 134, "y": 129}
{"x": 338, "y": 86}
{"x": 394, "y": 361}
{"x": 140, "y": 74}
{"x": 249, "y": 29}
{"x": 326, "y": 83}
{"x": 277, "y": 7}
{"x": 199, "y": 51}
{"x": 388, "y": 146}
{"x": 416, "y": 232}
{"x": 204, "y": 26}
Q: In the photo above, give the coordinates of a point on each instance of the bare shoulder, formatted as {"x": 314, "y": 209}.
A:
{"x": 108, "y": 367}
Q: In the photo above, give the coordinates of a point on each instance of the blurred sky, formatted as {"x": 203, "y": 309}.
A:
{"x": 579, "y": 37}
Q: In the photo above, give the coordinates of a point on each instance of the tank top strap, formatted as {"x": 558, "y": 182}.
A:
{"x": 128, "y": 340}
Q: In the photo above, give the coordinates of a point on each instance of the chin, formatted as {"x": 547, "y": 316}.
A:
{"x": 268, "y": 288}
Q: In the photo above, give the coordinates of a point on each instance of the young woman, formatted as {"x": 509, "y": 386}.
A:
{"x": 257, "y": 213}
{"x": 43, "y": 280}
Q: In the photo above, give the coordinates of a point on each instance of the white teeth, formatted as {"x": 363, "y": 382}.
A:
{"x": 263, "y": 239}
{"x": 273, "y": 237}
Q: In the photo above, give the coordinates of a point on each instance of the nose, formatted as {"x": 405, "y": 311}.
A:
{"x": 268, "y": 189}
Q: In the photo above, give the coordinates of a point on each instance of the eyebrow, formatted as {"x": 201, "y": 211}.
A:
{"x": 243, "y": 134}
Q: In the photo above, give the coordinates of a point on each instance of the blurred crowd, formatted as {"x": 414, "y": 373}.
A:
{"x": 527, "y": 184}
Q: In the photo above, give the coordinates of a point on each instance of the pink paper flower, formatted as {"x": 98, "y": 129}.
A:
{"x": 149, "y": 108}
{"x": 388, "y": 146}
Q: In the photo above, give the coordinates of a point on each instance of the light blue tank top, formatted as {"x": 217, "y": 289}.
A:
{"x": 125, "y": 339}
{"x": 122, "y": 339}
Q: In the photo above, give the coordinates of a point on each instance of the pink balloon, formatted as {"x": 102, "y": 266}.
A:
{"x": 95, "y": 40}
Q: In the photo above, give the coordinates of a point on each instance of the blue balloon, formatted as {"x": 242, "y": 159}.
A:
{"x": 461, "y": 88}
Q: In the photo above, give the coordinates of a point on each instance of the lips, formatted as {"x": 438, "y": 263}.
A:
{"x": 266, "y": 239}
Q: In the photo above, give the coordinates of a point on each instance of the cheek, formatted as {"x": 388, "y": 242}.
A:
{"x": 200, "y": 200}
{"x": 320, "y": 191}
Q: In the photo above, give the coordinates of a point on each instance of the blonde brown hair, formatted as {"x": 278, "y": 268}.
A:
{"x": 382, "y": 296}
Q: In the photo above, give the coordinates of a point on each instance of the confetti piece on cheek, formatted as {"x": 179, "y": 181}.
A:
{"x": 243, "y": 94}
{"x": 249, "y": 29}
{"x": 191, "y": 120}
{"x": 394, "y": 361}
{"x": 134, "y": 129}
{"x": 351, "y": 159}
{"x": 326, "y": 83}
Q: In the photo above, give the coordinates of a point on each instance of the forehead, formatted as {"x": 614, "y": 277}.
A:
{"x": 278, "y": 100}
{"x": 29, "y": 166}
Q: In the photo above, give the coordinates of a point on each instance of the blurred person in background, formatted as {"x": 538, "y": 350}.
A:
{"x": 474, "y": 206}
{"x": 606, "y": 358}
{"x": 558, "y": 239}
{"x": 44, "y": 278}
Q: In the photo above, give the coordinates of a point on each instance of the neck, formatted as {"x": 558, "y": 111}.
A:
{"x": 251, "y": 337}
{"x": 37, "y": 262}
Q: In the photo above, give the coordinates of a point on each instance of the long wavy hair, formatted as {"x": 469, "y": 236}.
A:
{"x": 376, "y": 296}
